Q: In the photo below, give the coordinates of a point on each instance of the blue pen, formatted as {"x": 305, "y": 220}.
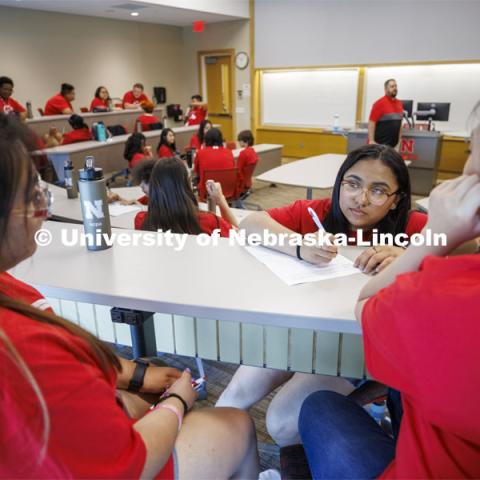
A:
{"x": 315, "y": 218}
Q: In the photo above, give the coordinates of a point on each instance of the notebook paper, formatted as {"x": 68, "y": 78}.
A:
{"x": 116, "y": 209}
{"x": 293, "y": 271}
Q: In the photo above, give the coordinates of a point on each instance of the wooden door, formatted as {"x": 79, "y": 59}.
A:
{"x": 219, "y": 92}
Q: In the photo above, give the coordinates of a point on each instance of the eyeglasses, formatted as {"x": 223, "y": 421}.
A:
{"x": 375, "y": 195}
{"x": 42, "y": 200}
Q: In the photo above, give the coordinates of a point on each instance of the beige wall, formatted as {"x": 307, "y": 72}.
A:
{"x": 41, "y": 50}
{"x": 234, "y": 35}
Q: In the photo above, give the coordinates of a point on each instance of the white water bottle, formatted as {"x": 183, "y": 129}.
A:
{"x": 336, "y": 123}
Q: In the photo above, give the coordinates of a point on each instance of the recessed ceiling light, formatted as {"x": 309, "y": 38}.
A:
{"x": 134, "y": 14}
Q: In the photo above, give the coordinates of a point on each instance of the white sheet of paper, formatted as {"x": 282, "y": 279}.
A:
{"x": 293, "y": 271}
{"x": 116, "y": 209}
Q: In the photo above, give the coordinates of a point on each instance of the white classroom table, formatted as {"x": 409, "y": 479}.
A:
{"x": 269, "y": 156}
{"x": 41, "y": 125}
{"x": 215, "y": 302}
{"x": 109, "y": 154}
{"x": 319, "y": 171}
{"x": 422, "y": 204}
{"x": 65, "y": 209}
{"x": 312, "y": 172}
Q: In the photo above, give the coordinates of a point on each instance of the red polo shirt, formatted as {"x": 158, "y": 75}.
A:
{"x": 10, "y": 105}
{"x": 166, "y": 152}
{"x": 56, "y": 105}
{"x": 130, "y": 98}
{"x": 79, "y": 135}
{"x": 421, "y": 336}
{"x": 248, "y": 156}
{"x": 296, "y": 217}
{"x": 196, "y": 115}
{"x": 387, "y": 113}
{"x": 99, "y": 104}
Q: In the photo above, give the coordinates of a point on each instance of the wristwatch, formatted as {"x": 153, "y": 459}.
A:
{"x": 136, "y": 382}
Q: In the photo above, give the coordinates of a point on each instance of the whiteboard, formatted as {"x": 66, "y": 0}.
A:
{"x": 309, "y": 98}
{"x": 458, "y": 84}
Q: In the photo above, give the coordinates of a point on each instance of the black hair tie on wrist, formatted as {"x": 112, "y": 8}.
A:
{"x": 298, "y": 252}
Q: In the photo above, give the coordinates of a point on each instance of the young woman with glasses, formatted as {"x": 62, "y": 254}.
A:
{"x": 372, "y": 191}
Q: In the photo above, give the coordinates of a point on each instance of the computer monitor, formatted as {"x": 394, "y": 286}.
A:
{"x": 433, "y": 111}
{"x": 408, "y": 107}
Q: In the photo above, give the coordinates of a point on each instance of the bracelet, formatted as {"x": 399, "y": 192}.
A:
{"x": 173, "y": 409}
{"x": 172, "y": 395}
{"x": 298, "y": 252}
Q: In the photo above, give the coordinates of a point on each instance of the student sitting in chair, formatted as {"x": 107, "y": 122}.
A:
{"x": 247, "y": 157}
{"x": 372, "y": 190}
{"x": 172, "y": 204}
{"x": 213, "y": 157}
{"x": 197, "y": 141}
{"x": 136, "y": 149}
{"x": 148, "y": 119}
{"x": 79, "y": 426}
{"x": 197, "y": 111}
{"x": 134, "y": 98}
{"x": 166, "y": 146}
{"x": 61, "y": 103}
{"x": 419, "y": 319}
{"x": 101, "y": 101}
{"x": 80, "y": 133}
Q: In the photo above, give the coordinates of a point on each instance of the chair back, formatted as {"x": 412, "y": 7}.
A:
{"x": 228, "y": 179}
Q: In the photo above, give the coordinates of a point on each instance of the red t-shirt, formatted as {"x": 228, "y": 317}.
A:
{"x": 211, "y": 158}
{"x": 143, "y": 200}
{"x": 137, "y": 158}
{"x": 146, "y": 121}
{"x": 22, "y": 426}
{"x": 56, "y": 105}
{"x": 421, "y": 336}
{"x": 194, "y": 142}
{"x": 99, "y": 104}
{"x": 10, "y": 106}
{"x": 90, "y": 433}
{"x": 208, "y": 223}
{"x": 296, "y": 217}
{"x": 130, "y": 98}
{"x": 387, "y": 112}
{"x": 248, "y": 156}
{"x": 79, "y": 135}
{"x": 165, "y": 152}
{"x": 196, "y": 115}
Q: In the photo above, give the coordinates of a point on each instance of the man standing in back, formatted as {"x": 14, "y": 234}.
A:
{"x": 385, "y": 121}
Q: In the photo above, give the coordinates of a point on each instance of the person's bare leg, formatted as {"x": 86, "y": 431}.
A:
{"x": 249, "y": 385}
{"x": 136, "y": 404}
{"x": 284, "y": 410}
{"x": 217, "y": 443}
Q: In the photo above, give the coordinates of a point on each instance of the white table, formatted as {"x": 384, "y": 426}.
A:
{"x": 109, "y": 154}
{"x": 313, "y": 172}
{"x": 269, "y": 156}
{"x": 215, "y": 302}
{"x": 41, "y": 125}
{"x": 422, "y": 204}
{"x": 69, "y": 210}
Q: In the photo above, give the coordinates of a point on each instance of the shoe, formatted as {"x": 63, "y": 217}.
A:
{"x": 270, "y": 474}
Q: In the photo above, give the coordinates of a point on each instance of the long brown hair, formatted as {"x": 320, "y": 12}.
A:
{"x": 16, "y": 140}
{"x": 172, "y": 204}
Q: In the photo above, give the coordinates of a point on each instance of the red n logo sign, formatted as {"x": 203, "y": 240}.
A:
{"x": 407, "y": 146}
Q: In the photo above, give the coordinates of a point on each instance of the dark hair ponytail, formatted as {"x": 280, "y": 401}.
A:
{"x": 172, "y": 204}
